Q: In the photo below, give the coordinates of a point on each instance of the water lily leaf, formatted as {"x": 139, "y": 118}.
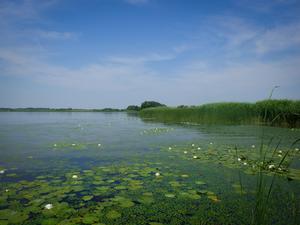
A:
{"x": 169, "y": 195}
{"x": 12, "y": 216}
{"x": 200, "y": 182}
{"x": 113, "y": 214}
{"x": 146, "y": 200}
{"x": 87, "y": 197}
{"x": 90, "y": 219}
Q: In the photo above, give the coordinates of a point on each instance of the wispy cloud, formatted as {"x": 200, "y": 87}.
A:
{"x": 236, "y": 36}
{"x": 137, "y": 2}
{"x": 55, "y": 35}
{"x": 265, "y": 6}
{"x": 227, "y": 60}
{"x": 279, "y": 38}
{"x": 190, "y": 85}
{"x": 154, "y": 57}
{"x": 26, "y": 9}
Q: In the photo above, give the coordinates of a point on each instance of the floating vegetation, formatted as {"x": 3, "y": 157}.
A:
{"x": 244, "y": 158}
{"x": 69, "y": 146}
{"x": 156, "y": 131}
{"x": 113, "y": 214}
{"x": 87, "y": 197}
{"x": 75, "y": 182}
{"x": 169, "y": 195}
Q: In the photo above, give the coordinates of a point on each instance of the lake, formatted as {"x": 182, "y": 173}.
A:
{"x": 115, "y": 168}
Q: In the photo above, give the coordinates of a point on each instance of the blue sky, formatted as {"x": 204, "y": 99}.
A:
{"x": 113, "y": 53}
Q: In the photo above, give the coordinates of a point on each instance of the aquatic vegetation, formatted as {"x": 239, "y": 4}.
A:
{"x": 249, "y": 159}
{"x": 169, "y": 195}
{"x": 159, "y": 185}
{"x": 157, "y": 131}
{"x": 69, "y": 146}
{"x": 90, "y": 218}
{"x": 200, "y": 182}
{"x": 9, "y": 216}
{"x": 87, "y": 197}
{"x": 278, "y": 112}
{"x": 113, "y": 214}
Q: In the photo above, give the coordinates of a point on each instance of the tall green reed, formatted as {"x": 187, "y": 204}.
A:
{"x": 263, "y": 187}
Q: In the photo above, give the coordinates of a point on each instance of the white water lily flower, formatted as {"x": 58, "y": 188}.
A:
{"x": 280, "y": 151}
{"x": 2, "y": 171}
{"x": 157, "y": 174}
{"x": 195, "y": 157}
{"x": 6, "y": 190}
{"x": 239, "y": 159}
{"x": 210, "y": 143}
{"x": 48, "y": 206}
{"x": 185, "y": 152}
{"x": 199, "y": 148}
{"x": 55, "y": 145}
{"x": 99, "y": 145}
{"x": 245, "y": 164}
{"x": 296, "y": 149}
{"x": 170, "y": 148}
{"x": 279, "y": 155}
{"x": 253, "y": 146}
{"x": 74, "y": 176}
{"x": 193, "y": 145}
{"x": 73, "y": 144}
{"x": 271, "y": 166}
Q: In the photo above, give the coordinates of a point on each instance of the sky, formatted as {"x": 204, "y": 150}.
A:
{"x": 115, "y": 53}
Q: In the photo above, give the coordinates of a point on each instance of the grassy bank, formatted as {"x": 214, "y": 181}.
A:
{"x": 277, "y": 112}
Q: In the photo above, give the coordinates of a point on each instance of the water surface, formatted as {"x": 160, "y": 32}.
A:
{"x": 114, "y": 168}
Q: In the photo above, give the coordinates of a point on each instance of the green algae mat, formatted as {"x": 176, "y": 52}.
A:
{"x": 113, "y": 168}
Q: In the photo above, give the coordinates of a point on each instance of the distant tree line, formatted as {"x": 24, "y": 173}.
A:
{"x": 144, "y": 105}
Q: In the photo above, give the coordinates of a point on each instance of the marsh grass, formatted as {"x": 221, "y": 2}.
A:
{"x": 265, "y": 186}
{"x": 267, "y": 112}
{"x": 272, "y": 111}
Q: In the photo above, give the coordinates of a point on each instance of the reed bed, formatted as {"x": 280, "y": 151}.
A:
{"x": 269, "y": 112}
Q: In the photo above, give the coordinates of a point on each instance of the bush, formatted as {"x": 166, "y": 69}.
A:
{"x": 151, "y": 104}
{"x": 133, "y": 108}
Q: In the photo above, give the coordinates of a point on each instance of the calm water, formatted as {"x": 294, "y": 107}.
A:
{"x": 114, "y": 168}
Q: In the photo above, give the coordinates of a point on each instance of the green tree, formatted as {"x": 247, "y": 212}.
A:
{"x": 150, "y": 104}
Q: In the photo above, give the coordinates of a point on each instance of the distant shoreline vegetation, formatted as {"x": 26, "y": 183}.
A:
{"x": 59, "y": 110}
{"x": 276, "y": 112}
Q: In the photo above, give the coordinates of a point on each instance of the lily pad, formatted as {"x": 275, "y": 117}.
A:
{"x": 90, "y": 219}
{"x": 169, "y": 195}
{"x": 87, "y": 197}
{"x": 113, "y": 214}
